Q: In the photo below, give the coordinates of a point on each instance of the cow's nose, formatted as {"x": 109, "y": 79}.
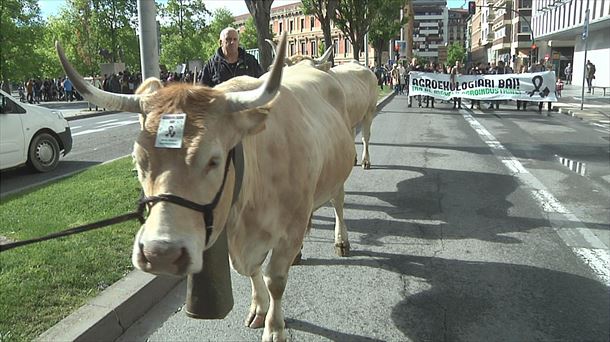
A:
{"x": 162, "y": 254}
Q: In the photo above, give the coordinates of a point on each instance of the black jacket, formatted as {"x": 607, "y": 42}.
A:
{"x": 218, "y": 70}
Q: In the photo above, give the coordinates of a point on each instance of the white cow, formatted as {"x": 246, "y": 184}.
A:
{"x": 298, "y": 151}
{"x": 360, "y": 87}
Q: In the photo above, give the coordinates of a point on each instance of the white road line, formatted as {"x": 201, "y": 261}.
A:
{"x": 88, "y": 131}
{"x": 106, "y": 121}
{"x": 581, "y": 240}
{"x": 107, "y": 126}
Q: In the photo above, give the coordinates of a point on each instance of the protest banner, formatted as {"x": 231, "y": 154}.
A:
{"x": 537, "y": 87}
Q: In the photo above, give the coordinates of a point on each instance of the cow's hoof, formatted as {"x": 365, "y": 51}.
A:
{"x": 297, "y": 259}
{"x": 366, "y": 165}
{"x": 342, "y": 249}
{"x": 255, "y": 321}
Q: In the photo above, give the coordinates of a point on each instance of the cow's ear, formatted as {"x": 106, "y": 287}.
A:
{"x": 149, "y": 86}
{"x": 250, "y": 121}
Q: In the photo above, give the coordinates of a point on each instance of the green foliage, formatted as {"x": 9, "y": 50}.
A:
{"x": 321, "y": 48}
{"x": 21, "y": 28}
{"x": 455, "y": 52}
{"x": 356, "y": 17}
{"x": 386, "y": 25}
{"x": 184, "y": 25}
{"x": 44, "y": 282}
{"x": 248, "y": 38}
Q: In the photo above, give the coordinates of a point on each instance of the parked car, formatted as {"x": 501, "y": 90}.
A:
{"x": 31, "y": 135}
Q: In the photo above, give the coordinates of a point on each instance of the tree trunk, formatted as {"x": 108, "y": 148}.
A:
{"x": 357, "y": 46}
{"x": 331, "y": 8}
{"x": 261, "y": 12}
{"x": 328, "y": 40}
{"x": 378, "y": 50}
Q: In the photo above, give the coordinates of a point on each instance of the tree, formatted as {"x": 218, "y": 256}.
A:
{"x": 354, "y": 18}
{"x": 249, "y": 37}
{"x": 455, "y": 52}
{"x": 113, "y": 28}
{"x": 184, "y": 25}
{"x": 324, "y": 11}
{"x": 20, "y": 30}
{"x": 261, "y": 12}
{"x": 386, "y": 25}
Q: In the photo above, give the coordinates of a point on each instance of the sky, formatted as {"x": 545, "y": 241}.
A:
{"x": 237, "y": 7}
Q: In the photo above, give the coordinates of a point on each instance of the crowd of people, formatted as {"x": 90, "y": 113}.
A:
{"x": 396, "y": 76}
{"x": 36, "y": 90}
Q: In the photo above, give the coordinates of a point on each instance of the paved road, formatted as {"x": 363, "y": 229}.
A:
{"x": 468, "y": 228}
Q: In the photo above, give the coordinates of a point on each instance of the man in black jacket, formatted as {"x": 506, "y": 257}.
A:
{"x": 229, "y": 61}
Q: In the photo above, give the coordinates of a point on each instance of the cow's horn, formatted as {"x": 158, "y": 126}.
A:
{"x": 266, "y": 92}
{"x": 122, "y": 102}
{"x": 273, "y": 47}
{"x": 325, "y": 56}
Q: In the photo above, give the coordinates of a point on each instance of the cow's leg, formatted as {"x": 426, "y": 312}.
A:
{"x": 276, "y": 277}
{"x": 260, "y": 302}
{"x": 366, "y": 136}
{"x": 356, "y": 155}
{"x": 341, "y": 241}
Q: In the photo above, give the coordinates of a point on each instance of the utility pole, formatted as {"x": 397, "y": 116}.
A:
{"x": 149, "y": 45}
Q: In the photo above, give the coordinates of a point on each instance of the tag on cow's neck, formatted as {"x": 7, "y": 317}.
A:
{"x": 171, "y": 130}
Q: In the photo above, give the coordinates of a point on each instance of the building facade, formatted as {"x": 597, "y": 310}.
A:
{"x": 558, "y": 26}
{"x": 457, "y": 26}
{"x": 500, "y": 31}
{"x": 305, "y": 36}
{"x": 430, "y": 27}
{"x": 521, "y": 40}
{"x": 483, "y": 37}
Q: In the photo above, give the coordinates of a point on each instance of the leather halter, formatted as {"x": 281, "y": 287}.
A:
{"x": 237, "y": 157}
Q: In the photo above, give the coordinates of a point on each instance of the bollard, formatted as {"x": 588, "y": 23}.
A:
{"x": 209, "y": 294}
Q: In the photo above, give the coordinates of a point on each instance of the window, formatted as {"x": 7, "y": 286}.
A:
{"x": 526, "y": 4}
{"x": 292, "y": 53}
{"x": 314, "y": 51}
{"x": 302, "y": 24}
{"x": 312, "y": 21}
{"x": 303, "y": 50}
{"x": 280, "y": 31}
{"x": 347, "y": 47}
{"x": 291, "y": 27}
{"x": 335, "y": 46}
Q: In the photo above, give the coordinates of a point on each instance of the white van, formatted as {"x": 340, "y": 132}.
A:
{"x": 31, "y": 135}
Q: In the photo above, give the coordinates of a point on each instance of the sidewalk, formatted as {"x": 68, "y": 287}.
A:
{"x": 596, "y": 107}
{"x": 76, "y": 109}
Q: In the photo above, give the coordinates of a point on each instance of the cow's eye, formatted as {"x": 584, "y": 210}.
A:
{"x": 213, "y": 163}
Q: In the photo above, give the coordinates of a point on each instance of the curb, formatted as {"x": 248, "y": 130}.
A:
{"x": 90, "y": 115}
{"x": 381, "y": 103}
{"x": 107, "y": 316}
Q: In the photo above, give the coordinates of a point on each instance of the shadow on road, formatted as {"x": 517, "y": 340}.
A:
{"x": 456, "y": 300}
